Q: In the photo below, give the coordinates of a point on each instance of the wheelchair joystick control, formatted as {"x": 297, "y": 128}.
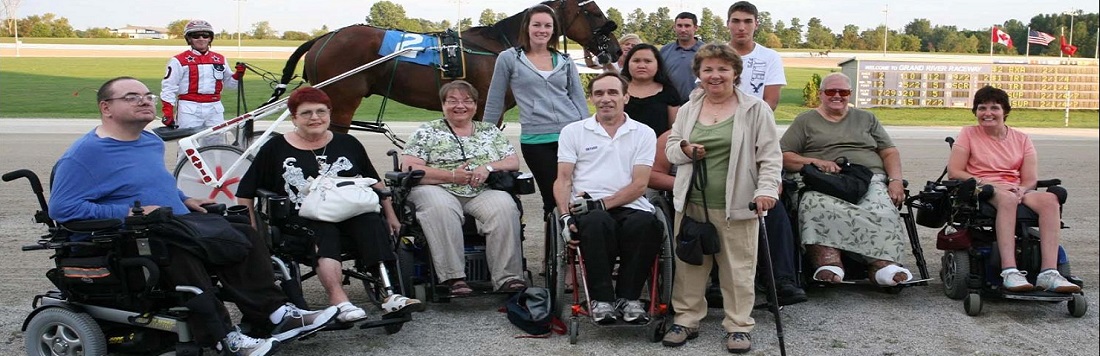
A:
{"x": 137, "y": 210}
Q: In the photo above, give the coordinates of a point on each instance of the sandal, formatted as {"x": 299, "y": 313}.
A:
{"x": 397, "y": 302}
{"x": 822, "y": 274}
{"x": 513, "y": 285}
{"x": 459, "y": 288}
{"x": 891, "y": 275}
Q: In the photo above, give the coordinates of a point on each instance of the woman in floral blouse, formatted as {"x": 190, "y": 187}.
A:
{"x": 457, "y": 154}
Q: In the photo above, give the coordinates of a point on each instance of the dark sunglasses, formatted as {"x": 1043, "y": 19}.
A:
{"x": 842, "y": 92}
{"x": 200, "y": 35}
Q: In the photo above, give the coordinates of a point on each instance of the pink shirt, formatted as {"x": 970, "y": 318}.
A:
{"x": 992, "y": 160}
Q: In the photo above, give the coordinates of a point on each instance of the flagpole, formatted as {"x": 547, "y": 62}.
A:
{"x": 1027, "y": 44}
{"x": 992, "y": 35}
{"x": 1063, "y": 38}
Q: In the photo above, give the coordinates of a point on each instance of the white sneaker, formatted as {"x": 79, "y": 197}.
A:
{"x": 350, "y": 313}
{"x": 1051, "y": 280}
{"x": 1015, "y": 280}
{"x": 241, "y": 344}
{"x": 603, "y": 312}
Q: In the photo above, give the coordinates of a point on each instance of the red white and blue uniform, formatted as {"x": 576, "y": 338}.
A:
{"x": 193, "y": 83}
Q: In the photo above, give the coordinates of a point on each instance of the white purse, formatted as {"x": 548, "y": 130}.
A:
{"x": 335, "y": 199}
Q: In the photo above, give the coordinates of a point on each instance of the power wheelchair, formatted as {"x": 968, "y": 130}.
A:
{"x": 970, "y": 264}
{"x": 109, "y": 297}
{"x": 564, "y": 264}
{"x": 293, "y": 248}
{"x": 415, "y": 254}
{"x": 855, "y": 270}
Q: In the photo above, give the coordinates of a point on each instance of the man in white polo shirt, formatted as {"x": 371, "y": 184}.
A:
{"x": 603, "y": 168}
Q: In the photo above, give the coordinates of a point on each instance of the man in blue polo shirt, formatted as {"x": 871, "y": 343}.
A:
{"x": 604, "y": 163}
{"x": 678, "y": 55}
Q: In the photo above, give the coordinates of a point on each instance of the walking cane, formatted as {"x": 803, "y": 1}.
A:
{"x": 773, "y": 299}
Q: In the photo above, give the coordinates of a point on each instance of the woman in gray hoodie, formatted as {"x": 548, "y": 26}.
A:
{"x": 547, "y": 89}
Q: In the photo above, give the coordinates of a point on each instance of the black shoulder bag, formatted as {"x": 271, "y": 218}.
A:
{"x": 850, "y": 184}
{"x": 697, "y": 238}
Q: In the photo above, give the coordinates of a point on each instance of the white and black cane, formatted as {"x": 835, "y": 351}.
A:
{"x": 773, "y": 300}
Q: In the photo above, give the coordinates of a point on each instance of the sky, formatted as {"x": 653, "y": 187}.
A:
{"x": 307, "y": 15}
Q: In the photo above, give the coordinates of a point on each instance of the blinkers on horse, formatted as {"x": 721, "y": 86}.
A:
{"x": 601, "y": 45}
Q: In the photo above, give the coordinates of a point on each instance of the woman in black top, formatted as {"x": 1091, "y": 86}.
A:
{"x": 653, "y": 98}
{"x": 287, "y": 163}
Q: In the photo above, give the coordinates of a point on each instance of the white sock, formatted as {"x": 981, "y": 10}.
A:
{"x": 277, "y": 315}
{"x": 342, "y": 305}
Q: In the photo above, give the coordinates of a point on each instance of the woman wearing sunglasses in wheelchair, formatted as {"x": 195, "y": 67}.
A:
{"x": 285, "y": 165}
{"x": 870, "y": 230}
{"x": 1004, "y": 158}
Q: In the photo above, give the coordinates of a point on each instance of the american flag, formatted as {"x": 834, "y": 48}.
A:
{"x": 1039, "y": 38}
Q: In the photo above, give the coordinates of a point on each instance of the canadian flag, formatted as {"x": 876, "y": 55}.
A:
{"x": 1067, "y": 48}
{"x": 1001, "y": 37}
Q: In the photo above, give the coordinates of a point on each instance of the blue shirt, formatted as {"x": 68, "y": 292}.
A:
{"x": 101, "y": 178}
{"x": 678, "y": 61}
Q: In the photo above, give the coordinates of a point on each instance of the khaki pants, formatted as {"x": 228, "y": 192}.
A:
{"x": 440, "y": 215}
{"x": 736, "y": 260}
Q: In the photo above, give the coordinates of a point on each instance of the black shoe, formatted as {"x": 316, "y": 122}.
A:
{"x": 789, "y": 293}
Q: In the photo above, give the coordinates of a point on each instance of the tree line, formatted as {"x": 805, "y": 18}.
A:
{"x": 919, "y": 35}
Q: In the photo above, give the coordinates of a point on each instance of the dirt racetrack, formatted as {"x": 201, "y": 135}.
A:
{"x": 836, "y": 321}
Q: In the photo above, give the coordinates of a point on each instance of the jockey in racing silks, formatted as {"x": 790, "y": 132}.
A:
{"x": 192, "y": 86}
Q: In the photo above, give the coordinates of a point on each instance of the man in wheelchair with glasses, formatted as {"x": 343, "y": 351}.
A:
{"x": 106, "y": 171}
{"x": 604, "y": 163}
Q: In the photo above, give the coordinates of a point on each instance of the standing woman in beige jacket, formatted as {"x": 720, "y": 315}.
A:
{"x": 736, "y": 135}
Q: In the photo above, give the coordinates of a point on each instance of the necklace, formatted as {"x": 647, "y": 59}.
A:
{"x": 321, "y": 158}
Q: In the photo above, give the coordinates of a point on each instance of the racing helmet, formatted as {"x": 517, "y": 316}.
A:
{"x": 197, "y": 26}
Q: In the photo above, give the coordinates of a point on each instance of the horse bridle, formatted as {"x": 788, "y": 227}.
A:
{"x": 601, "y": 37}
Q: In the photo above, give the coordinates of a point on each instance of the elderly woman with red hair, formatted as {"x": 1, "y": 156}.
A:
{"x": 286, "y": 163}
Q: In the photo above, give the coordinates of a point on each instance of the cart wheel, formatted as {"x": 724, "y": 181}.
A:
{"x": 657, "y": 331}
{"x": 574, "y": 330}
{"x": 1078, "y": 306}
{"x": 219, "y": 159}
{"x": 973, "y": 304}
{"x": 955, "y": 274}
{"x": 58, "y": 331}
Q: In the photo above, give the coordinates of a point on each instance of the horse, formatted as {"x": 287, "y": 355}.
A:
{"x": 339, "y": 51}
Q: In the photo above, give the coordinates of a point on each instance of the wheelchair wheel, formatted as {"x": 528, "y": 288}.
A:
{"x": 955, "y": 274}
{"x": 1078, "y": 306}
{"x": 59, "y": 331}
{"x": 219, "y": 158}
{"x": 555, "y": 266}
{"x": 574, "y": 330}
{"x": 973, "y": 304}
{"x": 667, "y": 258}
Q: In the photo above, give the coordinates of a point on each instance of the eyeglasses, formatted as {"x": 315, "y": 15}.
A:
{"x": 466, "y": 102}
{"x": 312, "y": 113}
{"x": 200, "y": 35}
{"x": 135, "y": 98}
{"x": 842, "y": 92}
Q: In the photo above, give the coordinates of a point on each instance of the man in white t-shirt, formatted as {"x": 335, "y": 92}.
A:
{"x": 604, "y": 163}
{"x": 763, "y": 77}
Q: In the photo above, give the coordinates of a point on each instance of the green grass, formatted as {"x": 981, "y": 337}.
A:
{"x": 65, "y": 88}
{"x": 223, "y": 43}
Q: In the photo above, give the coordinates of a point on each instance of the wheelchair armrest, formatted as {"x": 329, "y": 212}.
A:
{"x": 265, "y": 194}
{"x": 1059, "y": 192}
{"x": 404, "y": 179}
{"x": 89, "y": 226}
{"x": 383, "y": 193}
{"x": 215, "y": 208}
{"x": 272, "y": 206}
{"x": 1046, "y": 183}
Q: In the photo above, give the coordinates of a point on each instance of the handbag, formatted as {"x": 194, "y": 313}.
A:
{"x": 951, "y": 238}
{"x": 696, "y": 238}
{"x": 335, "y": 199}
{"x": 850, "y": 184}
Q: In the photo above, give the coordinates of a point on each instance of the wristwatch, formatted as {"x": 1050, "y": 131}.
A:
{"x": 489, "y": 168}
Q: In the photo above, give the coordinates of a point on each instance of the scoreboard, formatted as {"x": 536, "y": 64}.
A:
{"x": 913, "y": 84}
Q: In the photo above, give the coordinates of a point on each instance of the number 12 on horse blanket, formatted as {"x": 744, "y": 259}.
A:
{"x": 428, "y": 51}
